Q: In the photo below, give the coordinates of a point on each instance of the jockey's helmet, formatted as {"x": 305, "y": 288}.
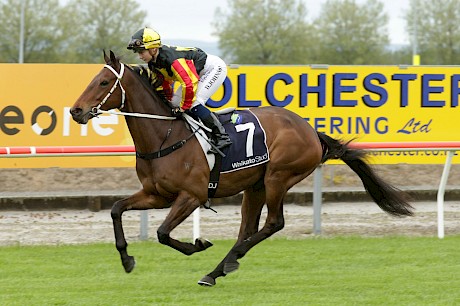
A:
{"x": 143, "y": 39}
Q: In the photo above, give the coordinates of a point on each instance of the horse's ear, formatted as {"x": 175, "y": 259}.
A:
{"x": 106, "y": 58}
{"x": 113, "y": 58}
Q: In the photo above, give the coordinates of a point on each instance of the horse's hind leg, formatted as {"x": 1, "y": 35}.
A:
{"x": 275, "y": 190}
{"x": 253, "y": 202}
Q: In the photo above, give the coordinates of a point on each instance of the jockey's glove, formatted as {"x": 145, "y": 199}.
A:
{"x": 177, "y": 112}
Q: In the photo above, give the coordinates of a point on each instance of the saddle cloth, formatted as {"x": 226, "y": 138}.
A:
{"x": 249, "y": 145}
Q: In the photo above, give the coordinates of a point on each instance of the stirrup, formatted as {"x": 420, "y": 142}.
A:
{"x": 214, "y": 148}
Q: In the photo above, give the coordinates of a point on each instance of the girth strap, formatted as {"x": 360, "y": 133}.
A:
{"x": 214, "y": 177}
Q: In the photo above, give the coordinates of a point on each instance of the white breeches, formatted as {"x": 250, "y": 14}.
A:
{"x": 211, "y": 78}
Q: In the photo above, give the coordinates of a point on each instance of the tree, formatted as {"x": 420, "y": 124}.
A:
{"x": 98, "y": 25}
{"x": 264, "y": 32}
{"x": 400, "y": 56}
{"x": 74, "y": 33}
{"x": 41, "y": 30}
{"x": 352, "y": 34}
{"x": 435, "y": 25}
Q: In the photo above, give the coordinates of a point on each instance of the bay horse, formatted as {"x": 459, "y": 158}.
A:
{"x": 179, "y": 180}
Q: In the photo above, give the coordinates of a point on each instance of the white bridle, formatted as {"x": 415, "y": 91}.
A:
{"x": 97, "y": 109}
{"x": 117, "y": 82}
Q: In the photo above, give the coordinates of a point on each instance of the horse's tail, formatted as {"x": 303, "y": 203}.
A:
{"x": 387, "y": 197}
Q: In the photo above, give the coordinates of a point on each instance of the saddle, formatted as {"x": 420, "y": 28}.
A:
{"x": 248, "y": 149}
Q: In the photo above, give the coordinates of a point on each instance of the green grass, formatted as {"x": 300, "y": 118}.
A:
{"x": 335, "y": 271}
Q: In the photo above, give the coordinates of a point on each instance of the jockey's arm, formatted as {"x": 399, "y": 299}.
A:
{"x": 185, "y": 73}
{"x": 161, "y": 84}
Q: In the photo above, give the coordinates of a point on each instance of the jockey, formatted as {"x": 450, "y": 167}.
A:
{"x": 198, "y": 73}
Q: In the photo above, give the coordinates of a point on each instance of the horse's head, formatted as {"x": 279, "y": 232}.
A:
{"x": 105, "y": 91}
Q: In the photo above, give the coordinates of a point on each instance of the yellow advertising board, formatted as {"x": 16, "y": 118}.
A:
{"x": 369, "y": 103}
{"x": 34, "y": 111}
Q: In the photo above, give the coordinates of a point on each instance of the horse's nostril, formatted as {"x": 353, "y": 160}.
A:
{"x": 75, "y": 111}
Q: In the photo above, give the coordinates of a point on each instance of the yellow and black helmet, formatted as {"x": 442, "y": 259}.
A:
{"x": 143, "y": 39}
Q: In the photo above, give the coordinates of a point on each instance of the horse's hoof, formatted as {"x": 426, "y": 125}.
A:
{"x": 203, "y": 244}
{"x": 231, "y": 267}
{"x": 207, "y": 281}
{"x": 129, "y": 264}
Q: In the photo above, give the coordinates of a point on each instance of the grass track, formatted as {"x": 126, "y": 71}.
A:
{"x": 332, "y": 271}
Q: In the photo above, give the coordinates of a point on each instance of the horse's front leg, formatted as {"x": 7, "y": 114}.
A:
{"x": 182, "y": 207}
{"x": 139, "y": 201}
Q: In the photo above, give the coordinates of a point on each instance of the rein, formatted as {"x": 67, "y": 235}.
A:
{"x": 139, "y": 115}
{"x": 97, "y": 111}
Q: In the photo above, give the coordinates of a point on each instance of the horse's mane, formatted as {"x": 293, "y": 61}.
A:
{"x": 145, "y": 76}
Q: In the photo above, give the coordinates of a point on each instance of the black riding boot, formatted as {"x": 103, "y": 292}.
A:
{"x": 220, "y": 137}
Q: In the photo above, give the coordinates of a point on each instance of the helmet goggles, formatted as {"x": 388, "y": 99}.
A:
{"x": 136, "y": 45}
{"x": 144, "y": 39}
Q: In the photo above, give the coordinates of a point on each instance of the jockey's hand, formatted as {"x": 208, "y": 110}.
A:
{"x": 177, "y": 112}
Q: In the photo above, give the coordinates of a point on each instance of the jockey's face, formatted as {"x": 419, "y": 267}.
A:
{"x": 146, "y": 55}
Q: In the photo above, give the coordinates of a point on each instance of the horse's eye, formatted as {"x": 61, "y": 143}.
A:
{"x": 104, "y": 83}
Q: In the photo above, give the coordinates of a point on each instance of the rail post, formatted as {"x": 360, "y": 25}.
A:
{"x": 317, "y": 199}
{"x": 144, "y": 225}
{"x": 441, "y": 192}
{"x": 196, "y": 224}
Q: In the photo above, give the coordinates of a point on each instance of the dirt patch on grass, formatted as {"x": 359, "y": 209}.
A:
{"x": 360, "y": 219}
{"x": 59, "y": 179}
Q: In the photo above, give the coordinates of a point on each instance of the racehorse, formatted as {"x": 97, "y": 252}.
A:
{"x": 178, "y": 179}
